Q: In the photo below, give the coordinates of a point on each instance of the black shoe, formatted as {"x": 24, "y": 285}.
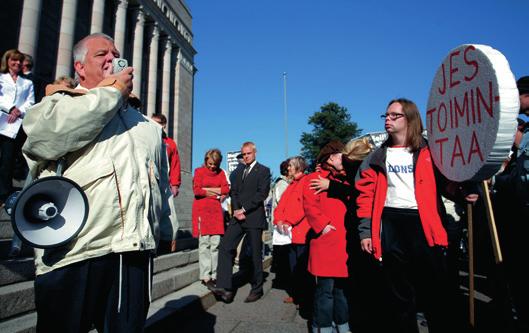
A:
{"x": 210, "y": 284}
{"x": 252, "y": 297}
{"x": 224, "y": 295}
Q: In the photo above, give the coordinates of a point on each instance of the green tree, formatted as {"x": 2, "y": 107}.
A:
{"x": 332, "y": 122}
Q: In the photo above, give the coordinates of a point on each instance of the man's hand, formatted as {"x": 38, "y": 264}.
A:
{"x": 239, "y": 214}
{"x": 125, "y": 77}
{"x": 366, "y": 245}
{"x": 174, "y": 190}
{"x": 173, "y": 245}
{"x": 13, "y": 115}
{"x": 471, "y": 198}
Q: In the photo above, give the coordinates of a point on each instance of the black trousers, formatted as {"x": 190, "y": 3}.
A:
{"x": 79, "y": 296}
{"x": 227, "y": 252}
{"x": 414, "y": 273}
{"x": 7, "y": 158}
{"x": 302, "y": 282}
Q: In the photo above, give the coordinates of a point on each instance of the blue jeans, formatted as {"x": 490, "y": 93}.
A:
{"x": 330, "y": 305}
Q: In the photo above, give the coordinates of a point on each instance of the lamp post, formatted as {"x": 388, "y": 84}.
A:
{"x": 285, "y": 112}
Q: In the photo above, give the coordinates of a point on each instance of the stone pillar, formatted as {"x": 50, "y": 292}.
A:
{"x": 137, "y": 52}
{"x": 29, "y": 27}
{"x": 98, "y": 12}
{"x": 166, "y": 78}
{"x": 66, "y": 34}
{"x": 176, "y": 93}
{"x": 119, "y": 29}
{"x": 153, "y": 68}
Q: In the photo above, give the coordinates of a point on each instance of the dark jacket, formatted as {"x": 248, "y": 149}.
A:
{"x": 250, "y": 195}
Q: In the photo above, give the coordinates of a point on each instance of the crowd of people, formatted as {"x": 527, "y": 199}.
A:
{"x": 363, "y": 238}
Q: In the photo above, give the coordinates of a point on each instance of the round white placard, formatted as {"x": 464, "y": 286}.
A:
{"x": 471, "y": 113}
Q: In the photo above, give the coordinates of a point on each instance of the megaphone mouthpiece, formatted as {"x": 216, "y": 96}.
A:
{"x": 40, "y": 208}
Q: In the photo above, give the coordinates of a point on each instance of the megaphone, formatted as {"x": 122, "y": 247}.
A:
{"x": 49, "y": 212}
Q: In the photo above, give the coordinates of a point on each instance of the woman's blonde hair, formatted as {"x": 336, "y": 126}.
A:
{"x": 10, "y": 54}
{"x": 357, "y": 150}
{"x": 215, "y": 155}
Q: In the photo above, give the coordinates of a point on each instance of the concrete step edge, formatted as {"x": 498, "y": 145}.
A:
{"x": 22, "y": 324}
{"x": 16, "y": 270}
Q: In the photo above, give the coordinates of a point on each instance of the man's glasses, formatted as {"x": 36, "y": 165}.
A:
{"x": 392, "y": 115}
{"x": 244, "y": 154}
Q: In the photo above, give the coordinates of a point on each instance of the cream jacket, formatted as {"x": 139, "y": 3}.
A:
{"x": 116, "y": 155}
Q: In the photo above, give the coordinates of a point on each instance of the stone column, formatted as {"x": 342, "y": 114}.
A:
{"x": 166, "y": 78}
{"x": 98, "y": 12}
{"x": 153, "y": 67}
{"x": 137, "y": 52}
{"x": 29, "y": 27}
{"x": 119, "y": 29}
{"x": 176, "y": 93}
{"x": 66, "y": 34}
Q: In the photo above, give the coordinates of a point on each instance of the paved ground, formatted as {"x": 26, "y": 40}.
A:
{"x": 269, "y": 314}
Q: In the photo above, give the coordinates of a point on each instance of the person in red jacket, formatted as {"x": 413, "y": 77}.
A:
{"x": 289, "y": 217}
{"x": 328, "y": 254}
{"x": 172, "y": 156}
{"x": 210, "y": 186}
{"x": 401, "y": 212}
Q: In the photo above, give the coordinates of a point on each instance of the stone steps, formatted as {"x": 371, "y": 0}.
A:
{"x": 16, "y": 270}
{"x": 171, "y": 272}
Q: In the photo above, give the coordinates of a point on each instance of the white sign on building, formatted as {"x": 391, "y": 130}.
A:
{"x": 231, "y": 161}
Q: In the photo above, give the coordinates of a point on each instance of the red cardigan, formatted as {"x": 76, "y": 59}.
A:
{"x": 328, "y": 255}
{"x": 373, "y": 185}
{"x": 290, "y": 211}
{"x": 207, "y": 215}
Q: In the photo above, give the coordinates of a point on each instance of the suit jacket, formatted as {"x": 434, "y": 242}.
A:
{"x": 250, "y": 195}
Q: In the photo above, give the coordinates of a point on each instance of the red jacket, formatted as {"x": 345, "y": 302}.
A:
{"x": 174, "y": 161}
{"x": 373, "y": 184}
{"x": 207, "y": 214}
{"x": 328, "y": 255}
{"x": 290, "y": 211}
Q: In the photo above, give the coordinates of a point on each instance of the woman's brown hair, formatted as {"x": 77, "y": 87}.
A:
{"x": 413, "y": 117}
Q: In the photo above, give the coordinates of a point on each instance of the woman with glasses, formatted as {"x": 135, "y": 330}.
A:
{"x": 402, "y": 217}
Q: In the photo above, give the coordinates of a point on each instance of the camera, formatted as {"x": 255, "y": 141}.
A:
{"x": 118, "y": 64}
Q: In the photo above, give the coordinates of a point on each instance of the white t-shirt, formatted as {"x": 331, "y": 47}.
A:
{"x": 401, "y": 189}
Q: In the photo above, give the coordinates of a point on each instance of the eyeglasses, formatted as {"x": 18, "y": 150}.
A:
{"x": 244, "y": 154}
{"x": 392, "y": 115}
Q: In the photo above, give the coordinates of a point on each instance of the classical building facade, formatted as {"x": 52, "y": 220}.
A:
{"x": 155, "y": 37}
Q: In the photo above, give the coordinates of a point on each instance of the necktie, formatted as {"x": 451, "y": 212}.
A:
{"x": 245, "y": 172}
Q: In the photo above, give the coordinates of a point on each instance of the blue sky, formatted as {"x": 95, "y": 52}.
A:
{"x": 359, "y": 54}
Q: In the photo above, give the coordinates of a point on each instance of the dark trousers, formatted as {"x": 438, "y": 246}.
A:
{"x": 281, "y": 267}
{"x": 227, "y": 252}
{"x": 79, "y": 296}
{"x": 301, "y": 281}
{"x": 413, "y": 272}
{"x": 330, "y": 303}
{"x": 7, "y": 159}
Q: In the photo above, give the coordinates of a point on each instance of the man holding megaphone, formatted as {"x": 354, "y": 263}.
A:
{"x": 116, "y": 156}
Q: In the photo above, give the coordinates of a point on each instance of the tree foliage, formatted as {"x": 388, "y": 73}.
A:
{"x": 332, "y": 122}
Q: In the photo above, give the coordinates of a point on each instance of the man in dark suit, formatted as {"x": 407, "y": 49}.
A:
{"x": 248, "y": 192}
